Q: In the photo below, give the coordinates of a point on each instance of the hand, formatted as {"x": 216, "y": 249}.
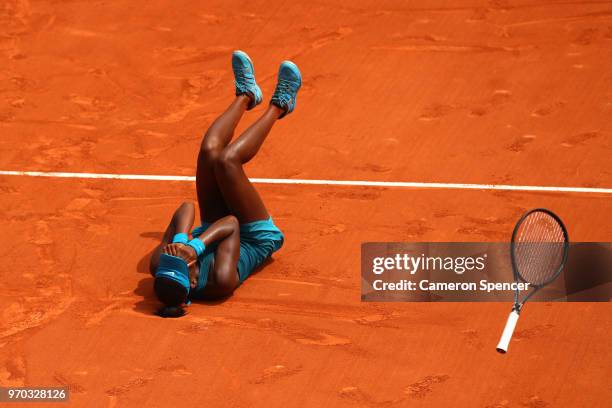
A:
{"x": 187, "y": 253}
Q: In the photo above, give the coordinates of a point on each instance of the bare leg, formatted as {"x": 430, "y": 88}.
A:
{"x": 219, "y": 134}
{"x": 241, "y": 197}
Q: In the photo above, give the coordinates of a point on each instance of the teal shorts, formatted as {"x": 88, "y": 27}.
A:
{"x": 258, "y": 240}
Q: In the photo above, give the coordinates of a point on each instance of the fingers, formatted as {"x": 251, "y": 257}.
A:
{"x": 181, "y": 251}
{"x": 173, "y": 249}
{"x": 189, "y": 254}
{"x": 169, "y": 249}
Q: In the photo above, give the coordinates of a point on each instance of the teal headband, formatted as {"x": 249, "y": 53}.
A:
{"x": 175, "y": 268}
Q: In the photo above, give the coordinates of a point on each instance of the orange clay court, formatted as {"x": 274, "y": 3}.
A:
{"x": 485, "y": 92}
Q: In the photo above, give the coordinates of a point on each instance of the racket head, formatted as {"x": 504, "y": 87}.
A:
{"x": 539, "y": 247}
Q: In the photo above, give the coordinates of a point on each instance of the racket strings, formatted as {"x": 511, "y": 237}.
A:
{"x": 539, "y": 248}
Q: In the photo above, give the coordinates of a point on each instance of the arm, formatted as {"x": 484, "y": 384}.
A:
{"x": 218, "y": 231}
{"x": 182, "y": 221}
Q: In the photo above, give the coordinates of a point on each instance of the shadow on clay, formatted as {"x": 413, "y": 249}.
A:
{"x": 149, "y": 305}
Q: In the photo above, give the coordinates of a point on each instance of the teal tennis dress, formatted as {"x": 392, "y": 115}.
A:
{"x": 258, "y": 241}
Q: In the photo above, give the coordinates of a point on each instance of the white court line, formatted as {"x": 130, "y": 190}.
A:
{"x": 359, "y": 183}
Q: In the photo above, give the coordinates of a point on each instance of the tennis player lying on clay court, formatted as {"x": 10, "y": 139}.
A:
{"x": 237, "y": 233}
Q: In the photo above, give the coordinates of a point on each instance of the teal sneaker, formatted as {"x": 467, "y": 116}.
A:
{"x": 244, "y": 78}
{"x": 289, "y": 82}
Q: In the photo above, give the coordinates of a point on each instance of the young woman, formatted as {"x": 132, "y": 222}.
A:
{"x": 237, "y": 232}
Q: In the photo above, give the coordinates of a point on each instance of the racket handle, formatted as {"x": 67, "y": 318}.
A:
{"x": 502, "y": 347}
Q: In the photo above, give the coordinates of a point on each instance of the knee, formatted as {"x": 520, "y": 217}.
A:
{"x": 228, "y": 159}
{"x": 210, "y": 150}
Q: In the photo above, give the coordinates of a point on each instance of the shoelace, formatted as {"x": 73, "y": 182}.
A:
{"x": 284, "y": 91}
{"x": 243, "y": 78}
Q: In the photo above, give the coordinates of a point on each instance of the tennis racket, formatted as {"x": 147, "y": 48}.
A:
{"x": 538, "y": 252}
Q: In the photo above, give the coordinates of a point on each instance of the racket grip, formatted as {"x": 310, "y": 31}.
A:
{"x": 502, "y": 346}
